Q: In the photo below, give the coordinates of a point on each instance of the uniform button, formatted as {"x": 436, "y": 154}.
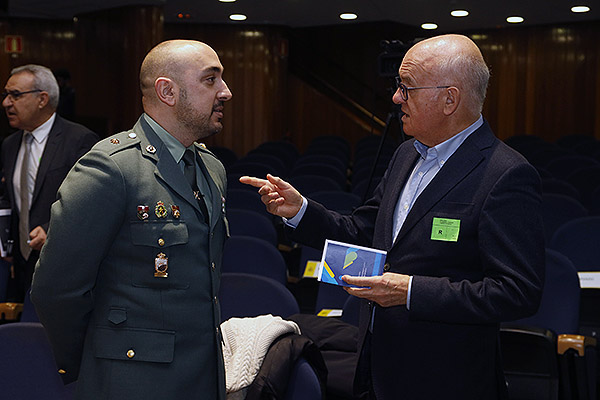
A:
{"x": 130, "y": 353}
{"x": 212, "y": 265}
{"x": 212, "y": 234}
{"x": 62, "y": 371}
{"x": 216, "y": 300}
{"x": 386, "y": 267}
{"x": 161, "y": 242}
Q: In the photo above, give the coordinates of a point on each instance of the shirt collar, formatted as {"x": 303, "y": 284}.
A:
{"x": 41, "y": 132}
{"x": 444, "y": 150}
{"x": 175, "y": 147}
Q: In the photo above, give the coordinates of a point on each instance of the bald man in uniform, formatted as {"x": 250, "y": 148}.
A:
{"x": 458, "y": 213}
{"x": 127, "y": 282}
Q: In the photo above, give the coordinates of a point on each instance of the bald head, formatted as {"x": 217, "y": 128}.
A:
{"x": 170, "y": 59}
{"x": 454, "y": 60}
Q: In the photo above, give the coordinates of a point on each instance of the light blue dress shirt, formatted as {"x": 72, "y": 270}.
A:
{"x": 429, "y": 164}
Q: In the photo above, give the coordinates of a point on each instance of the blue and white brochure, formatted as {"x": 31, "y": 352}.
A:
{"x": 348, "y": 259}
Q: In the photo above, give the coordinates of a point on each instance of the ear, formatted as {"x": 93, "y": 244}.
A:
{"x": 165, "y": 90}
{"x": 452, "y": 100}
{"x": 44, "y": 98}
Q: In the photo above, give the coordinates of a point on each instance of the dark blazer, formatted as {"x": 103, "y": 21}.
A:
{"x": 446, "y": 345}
{"x": 67, "y": 142}
{"x": 123, "y": 332}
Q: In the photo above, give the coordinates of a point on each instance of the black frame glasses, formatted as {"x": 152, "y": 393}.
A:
{"x": 16, "y": 95}
{"x": 404, "y": 89}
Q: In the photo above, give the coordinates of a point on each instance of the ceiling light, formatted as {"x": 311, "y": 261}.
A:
{"x": 459, "y": 13}
{"x": 580, "y": 9}
{"x": 348, "y": 16}
{"x": 515, "y": 20}
{"x": 227, "y": 1}
{"x": 429, "y": 26}
{"x": 237, "y": 17}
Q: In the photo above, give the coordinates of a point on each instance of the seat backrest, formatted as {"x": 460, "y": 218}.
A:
{"x": 28, "y": 370}
{"x": 243, "y": 199}
{"x": 248, "y": 295}
{"x": 579, "y": 240}
{"x": 557, "y": 209}
{"x": 307, "y": 184}
{"x": 320, "y": 169}
{"x": 559, "y": 307}
{"x": 254, "y": 256}
{"x": 330, "y": 297}
{"x": 251, "y": 223}
{"x": 304, "y": 383}
{"x": 29, "y": 314}
{"x": 337, "y": 200}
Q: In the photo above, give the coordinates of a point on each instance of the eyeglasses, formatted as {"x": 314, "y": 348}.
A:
{"x": 404, "y": 89}
{"x": 16, "y": 95}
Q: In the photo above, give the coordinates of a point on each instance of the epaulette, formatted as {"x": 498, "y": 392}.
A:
{"x": 118, "y": 142}
{"x": 202, "y": 147}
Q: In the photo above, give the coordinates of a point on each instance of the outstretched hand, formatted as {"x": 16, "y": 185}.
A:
{"x": 389, "y": 289}
{"x": 280, "y": 197}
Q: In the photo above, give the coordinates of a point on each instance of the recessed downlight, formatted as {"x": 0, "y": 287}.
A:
{"x": 429, "y": 26}
{"x": 459, "y": 13}
{"x": 348, "y": 16}
{"x": 227, "y": 1}
{"x": 580, "y": 9}
{"x": 515, "y": 19}
{"x": 237, "y": 17}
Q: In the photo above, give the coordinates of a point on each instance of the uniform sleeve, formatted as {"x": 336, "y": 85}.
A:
{"x": 511, "y": 252}
{"x": 87, "y": 215}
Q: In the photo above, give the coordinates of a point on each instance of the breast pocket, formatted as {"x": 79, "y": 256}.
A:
{"x": 160, "y": 263}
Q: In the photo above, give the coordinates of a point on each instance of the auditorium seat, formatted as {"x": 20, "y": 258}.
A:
{"x": 248, "y": 295}
{"x": 28, "y": 370}
{"x": 342, "y": 202}
{"x": 541, "y": 356}
{"x": 224, "y": 154}
{"x": 307, "y": 184}
{"x": 251, "y": 223}
{"x": 557, "y": 209}
{"x": 254, "y": 256}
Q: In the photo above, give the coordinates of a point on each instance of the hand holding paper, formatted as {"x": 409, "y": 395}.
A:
{"x": 387, "y": 290}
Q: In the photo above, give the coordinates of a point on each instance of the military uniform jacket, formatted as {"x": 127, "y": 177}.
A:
{"x": 446, "y": 345}
{"x": 125, "y": 213}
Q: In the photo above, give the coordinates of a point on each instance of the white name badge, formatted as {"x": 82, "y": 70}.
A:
{"x": 589, "y": 280}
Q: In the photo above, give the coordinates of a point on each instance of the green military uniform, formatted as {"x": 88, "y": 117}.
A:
{"x": 128, "y": 279}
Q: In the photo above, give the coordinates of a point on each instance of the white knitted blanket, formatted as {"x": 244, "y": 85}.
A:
{"x": 245, "y": 344}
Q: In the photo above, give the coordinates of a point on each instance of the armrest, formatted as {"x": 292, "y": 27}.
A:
{"x": 576, "y": 342}
{"x": 10, "y": 311}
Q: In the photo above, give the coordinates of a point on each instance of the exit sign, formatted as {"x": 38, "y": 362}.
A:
{"x": 13, "y": 44}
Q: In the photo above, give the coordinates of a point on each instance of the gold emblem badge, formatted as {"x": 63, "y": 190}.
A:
{"x": 175, "y": 211}
{"x": 160, "y": 210}
{"x": 151, "y": 149}
{"x": 161, "y": 265}
{"x": 115, "y": 141}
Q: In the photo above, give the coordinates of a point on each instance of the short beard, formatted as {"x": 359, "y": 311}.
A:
{"x": 200, "y": 125}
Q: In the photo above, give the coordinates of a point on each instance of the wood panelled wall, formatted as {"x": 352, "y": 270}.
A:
{"x": 256, "y": 73}
{"x": 545, "y": 80}
{"x": 102, "y": 51}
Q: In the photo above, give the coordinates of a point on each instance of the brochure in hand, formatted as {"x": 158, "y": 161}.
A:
{"x": 347, "y": 259}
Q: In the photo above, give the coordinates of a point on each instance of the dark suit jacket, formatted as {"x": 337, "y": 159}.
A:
{"x": 67, "y": 142}
{"x": 446, "y": 345}
{"x": 123, "y": 332}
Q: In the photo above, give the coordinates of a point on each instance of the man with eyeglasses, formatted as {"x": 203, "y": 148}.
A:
{"x": 458, "y": 213}
{"x": 34, "y": 162}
